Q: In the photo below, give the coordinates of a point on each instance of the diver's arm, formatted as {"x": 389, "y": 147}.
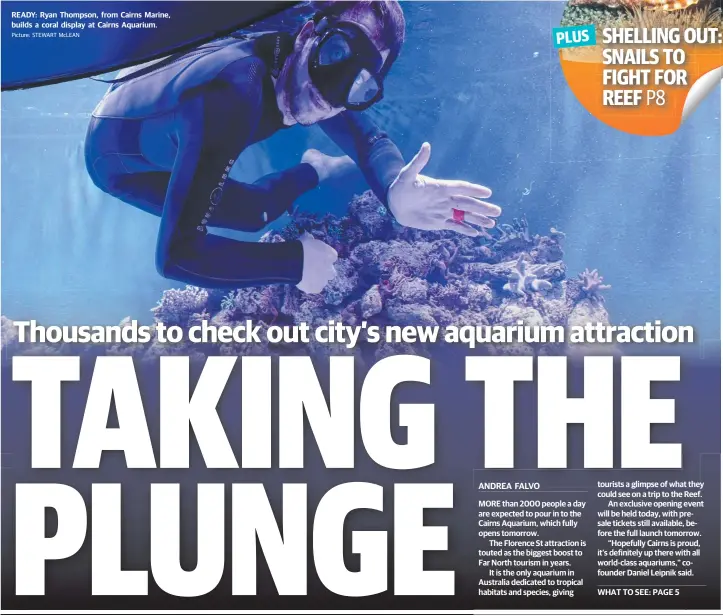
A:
{"x": 212, "y": 128}
{"x": 371, "y": 148}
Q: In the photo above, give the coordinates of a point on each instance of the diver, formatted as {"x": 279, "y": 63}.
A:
{"x": 166, "y": 134}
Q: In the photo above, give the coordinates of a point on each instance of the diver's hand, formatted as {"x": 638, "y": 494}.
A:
{"x": 422, "y": 202}
{"x": 319, "y": 259}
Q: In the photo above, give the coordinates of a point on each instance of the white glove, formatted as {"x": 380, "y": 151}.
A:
{"x": 422, "y": 202}
{"x": 319, "y": 259}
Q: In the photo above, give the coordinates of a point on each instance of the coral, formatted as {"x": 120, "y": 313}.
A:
{"x": 479, "y": 296}
{"x": 342, "y": 285}
{"x": 591, "y": 284}
{"x": 410, "y": 314}
{"x": 640, "y": 14}
{"x": 515, "y": 236}
{"x": 177, "y": 306}
{"x": 8, "y": 333}
{"x": 548, "y": 249}
{"x": 696, "y": 14}
{"x": 584, "y": 312}
{"x": 374, "y": 219}
{"x": 672, "y": 5}
{"x": 371, "y": 303}
{"x": 523, "y": 279}
{"x": 587, "y": 311}
{"x": 511, "y": 313}
{"x": 601, "y": 16}
{"x": 391, "y": 275}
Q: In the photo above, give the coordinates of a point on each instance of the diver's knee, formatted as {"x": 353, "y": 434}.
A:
{"x": 90, "y": 151}
{"x": 102, "y": 163}
{"x": 100, "y": 180}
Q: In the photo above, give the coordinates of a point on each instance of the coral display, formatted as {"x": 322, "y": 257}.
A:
{"x": 653, "y": 4}
{"x": 392, "y": 275}
{"x": 643, "y": 14}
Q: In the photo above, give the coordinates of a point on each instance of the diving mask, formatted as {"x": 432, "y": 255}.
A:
{"x": 345, "y": 66}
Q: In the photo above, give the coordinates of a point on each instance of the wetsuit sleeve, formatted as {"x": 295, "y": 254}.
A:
{"x": 374, "y": 152}
{"x": 250, "y": 207}
{"x": 212, "y": 128}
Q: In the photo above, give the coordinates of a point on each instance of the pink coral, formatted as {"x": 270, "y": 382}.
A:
{"x": 592, "y": 284}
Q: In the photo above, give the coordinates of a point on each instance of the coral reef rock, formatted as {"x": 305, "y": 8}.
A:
{"x": 646, "y": 4}
{"x": 391, "y": 275}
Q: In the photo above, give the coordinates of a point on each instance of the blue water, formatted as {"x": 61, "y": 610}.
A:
{"x": 481, "y": 82}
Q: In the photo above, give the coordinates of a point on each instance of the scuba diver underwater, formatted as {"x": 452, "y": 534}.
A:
{"x": 165, "y": 137}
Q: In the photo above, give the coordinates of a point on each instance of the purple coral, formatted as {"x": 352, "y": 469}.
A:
{"x": 179, "y": 306}
{"x": 592, "y": 285}
{"x": 513, "y": 237}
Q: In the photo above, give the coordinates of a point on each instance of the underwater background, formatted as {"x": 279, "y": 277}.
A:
{"x": 479, "y": 81}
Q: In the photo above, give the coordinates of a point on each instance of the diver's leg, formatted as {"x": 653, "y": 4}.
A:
{"x": 243, "y": 207}
{"x": 116, "y": 165}
{"x": 327, "y": 166}
{"x": 146, "y": 191}
{"x": 250, "y": 207}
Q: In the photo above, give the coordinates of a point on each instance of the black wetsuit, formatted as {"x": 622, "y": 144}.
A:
{"x": 165, "y": 140}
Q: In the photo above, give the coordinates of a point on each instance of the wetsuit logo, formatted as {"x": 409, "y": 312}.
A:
{"x": 277, "y": 53}
{"x": 214, "y": 198}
